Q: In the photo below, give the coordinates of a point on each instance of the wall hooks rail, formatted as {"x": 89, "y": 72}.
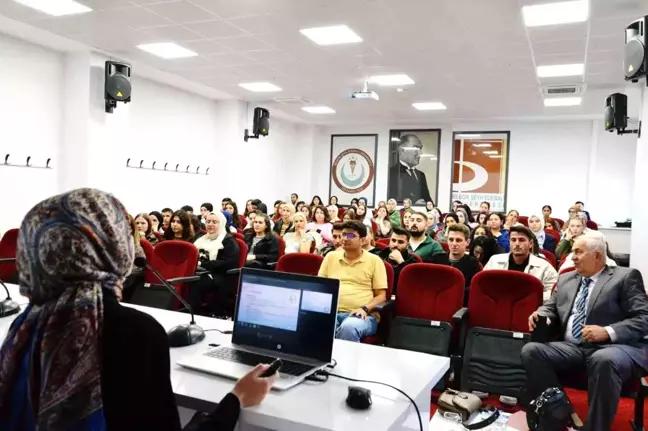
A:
{"x": 27, "y": 163}
{"x": 187, "y": 170}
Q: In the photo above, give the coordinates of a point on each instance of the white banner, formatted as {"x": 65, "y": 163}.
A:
{"x": 353, "y": 168}
{"x": 474, "y": 199}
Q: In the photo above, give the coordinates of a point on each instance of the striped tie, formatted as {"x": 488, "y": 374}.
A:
{"x": 579, "y": 315}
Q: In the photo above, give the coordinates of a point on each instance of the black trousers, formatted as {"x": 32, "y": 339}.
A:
{"x": 608, "y": 367}
{"x": 221, "y": 289}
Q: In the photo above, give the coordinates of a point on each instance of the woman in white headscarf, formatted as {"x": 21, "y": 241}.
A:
{"x": 546, "y": 242}
{"x": 218, "y": 252}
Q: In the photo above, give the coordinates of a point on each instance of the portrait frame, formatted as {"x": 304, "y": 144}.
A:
{"x": 432, "y": 144}
{"x": 483, "y": 136}
{"x": 342, "y": 145}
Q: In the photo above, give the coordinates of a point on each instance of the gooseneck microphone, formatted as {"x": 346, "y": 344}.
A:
{"x": 181, "y": 335}
{"x": 8, "y": 306}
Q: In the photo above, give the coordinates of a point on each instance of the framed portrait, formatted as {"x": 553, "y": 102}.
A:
{"x": 413, "y": 165}
{"x": 480, "y": 168}
{"x": 353, "y": 168}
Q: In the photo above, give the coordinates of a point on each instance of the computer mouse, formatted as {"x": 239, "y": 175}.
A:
{"x": 185, "y": 335}
{"x": 358, "y": 398}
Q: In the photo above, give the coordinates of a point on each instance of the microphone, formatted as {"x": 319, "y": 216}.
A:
{"x": 181, "y": 335}
{"x": 8, "y": 306}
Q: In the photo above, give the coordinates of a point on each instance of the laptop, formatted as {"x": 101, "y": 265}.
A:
{"x": 278, "y": 315}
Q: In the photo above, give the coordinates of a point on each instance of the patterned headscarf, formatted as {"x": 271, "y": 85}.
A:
{"x": 70, "y": 247}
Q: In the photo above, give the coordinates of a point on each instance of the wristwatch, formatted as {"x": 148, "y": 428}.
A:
{"x": 366, "y": 310}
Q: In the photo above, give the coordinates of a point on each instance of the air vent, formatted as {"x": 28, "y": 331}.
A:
{"x": 292, "y": 100}
{"x": 564, "y": 90}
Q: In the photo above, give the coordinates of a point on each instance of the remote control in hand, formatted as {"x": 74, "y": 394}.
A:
{"x": 274, "y": 367}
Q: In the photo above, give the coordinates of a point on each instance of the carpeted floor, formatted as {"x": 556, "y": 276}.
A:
{"x": 624, "y": 414}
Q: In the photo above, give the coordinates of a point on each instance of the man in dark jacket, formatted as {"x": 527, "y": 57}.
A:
{"x": 396, "y": 254}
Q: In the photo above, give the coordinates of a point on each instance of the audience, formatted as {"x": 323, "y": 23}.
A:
{"x": 298, "y": 240}
{"x": 156, "y": 221}
{"x": 263, "y": 246}
{"x": 575, "y": 228}
{"x": 455, "y": 205}
{"x": 294, "y": 198}
{"x": 482, "y": 218}
{"x": 470, "y": 220}
{"x": 218, "y": 252}
{"x": 449, "y": 220}
{"x": 602, "y": 313}
{"x": 546, "y": 212}
{"x": 299, "y": 206}
{"x": 167, "y": 213}
{"x": 337, "y": 241}
{"x": 180, "y": 228}
{"x": 349, "y": 215}
{"x": 197, "y": 227}
{"x": 521, "y": 259}
{"x": 420, "y": 242}
{"x": 333, "y": 213}
{"x": 393, "y": 213}
{"x": 458, "y": 239}
{"x": 568, "y": 261}
{"x": 363, "y": 216}
{"x": 321, "y": 224}
{"x": 551, "y": 224}
{"x": 188, "y": 209}
{"x": 284, "y": 224}
{"x": 546, "y": 242}
{"x": 363, "y": 284}
{"x": 232, "y": 209}
{"x": 484, "y": 207}
{"x": 495, "y": 222}
{"x": 317, "y": 201}
{"x": 397, "y": 254}
{"x": 483, "y": 248}
{"x": 383, "y": 223}
{"x": 512, "y": 220}
{"x": 333, "y": 200}
{"x": 205, "y": 210}
{"x": 306, "y": 210}
{"x": 248, "y": 208}
{"x": 574, "y": 210}
{"x": 276, "y": 215}
{"x": 144, "y": 227}
{"x": 407, "y": 213}
{"x": 429, "y": 206}
{"x": 224, "y": 202}
{"x": 433, "y": 223}
{"x": 581, "y": 210}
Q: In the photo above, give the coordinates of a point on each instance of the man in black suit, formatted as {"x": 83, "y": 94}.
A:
{"x": 602, "y": 313}
{"x": 405, "y": 181}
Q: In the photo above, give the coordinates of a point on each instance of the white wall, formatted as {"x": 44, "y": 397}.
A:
{"x": 553, "y": 163}
{"x": 639, "y": 239}
{"x": 30, "y": 125}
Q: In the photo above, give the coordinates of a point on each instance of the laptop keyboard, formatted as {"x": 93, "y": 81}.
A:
{"x": 252, "y": 359}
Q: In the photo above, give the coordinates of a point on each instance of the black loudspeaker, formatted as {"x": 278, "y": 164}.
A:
{"x": 616, "y": 112}
{"x": 636, "y": 56}
{"x": 261, "y": 125}
{"x": 117, "y": 84}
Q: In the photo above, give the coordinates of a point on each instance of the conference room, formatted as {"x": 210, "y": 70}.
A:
{"x": 265, "y": 128}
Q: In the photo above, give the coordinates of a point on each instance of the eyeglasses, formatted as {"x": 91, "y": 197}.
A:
{"x": 349, "y": 235}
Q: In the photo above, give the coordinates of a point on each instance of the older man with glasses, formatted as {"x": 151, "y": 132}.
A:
{"x": 363, "y": 283}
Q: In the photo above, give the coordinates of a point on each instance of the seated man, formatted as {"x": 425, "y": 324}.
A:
{"x": 521, "y": 259}
{"x": 336, "y": 233}
{"x": 363, "y": 283}
{"x": 396, "y": 254}
{"x": 420, "y": 242}
{"x": 602, "y": 313}
{"x": 458, "y": 241}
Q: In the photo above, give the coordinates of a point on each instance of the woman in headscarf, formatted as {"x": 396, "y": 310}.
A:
{"x": 218, "y": 252}
{"x": 75, "y": 359}
{"x": 546, "y": 242}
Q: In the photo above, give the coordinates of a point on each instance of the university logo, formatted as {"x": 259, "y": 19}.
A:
{"x": 352, "y": 171}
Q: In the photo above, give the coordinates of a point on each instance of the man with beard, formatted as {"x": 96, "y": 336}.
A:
{"x": 420, "y": 242}
{"x": 396, "y": 254}
{"x": 521, "y": 259}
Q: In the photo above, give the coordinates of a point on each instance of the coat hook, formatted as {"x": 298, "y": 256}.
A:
{"x": 207, "y": 171}
{"x": 187, "y": 168}
{"x": 165, "y": 165}
{"x": 127, "y": 163}
{"x": 197, "y": 169}
{"x": 153, "y": 167}
{"x": 28, "y": 159}
{"x": 141, "y": 163}
{"x": 177, "y": 166}
{"x": 7, "y": 159}
{"x": 48, "y": 162}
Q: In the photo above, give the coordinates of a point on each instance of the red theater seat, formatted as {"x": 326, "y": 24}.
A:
{"x": 8, "y": 246}
{"x": 300, "y": 263}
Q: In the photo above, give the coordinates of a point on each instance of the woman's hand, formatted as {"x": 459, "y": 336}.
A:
{"x": 252, "y": 389}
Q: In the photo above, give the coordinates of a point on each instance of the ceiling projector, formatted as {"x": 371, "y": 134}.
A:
{"x": 365, "y": 93}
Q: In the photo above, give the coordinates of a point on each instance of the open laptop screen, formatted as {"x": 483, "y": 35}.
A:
{"x": 290, "y": 313}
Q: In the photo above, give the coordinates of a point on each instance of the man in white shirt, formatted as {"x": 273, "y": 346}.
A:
{"x": 602, "y": 313}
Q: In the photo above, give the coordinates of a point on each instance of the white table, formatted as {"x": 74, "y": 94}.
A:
{"x": 618, "y": 238}
{"x": 309, "y": 406}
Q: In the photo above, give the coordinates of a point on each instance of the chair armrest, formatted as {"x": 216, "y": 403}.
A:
{"x": 271, "y": 264}
{"x": 183, "y": 279}
{"x": 201, "y": 271}
{"x": 460, "y": 315}
{"x": 7, "y": 260}
{"x": 384, "y": 306}
{"x": 234, "y": 271}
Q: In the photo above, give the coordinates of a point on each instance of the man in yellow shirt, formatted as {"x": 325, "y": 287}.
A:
{"x": 363, "y": 283}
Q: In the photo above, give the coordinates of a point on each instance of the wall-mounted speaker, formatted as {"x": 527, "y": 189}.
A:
{"x": 260, "y": 125}
{"x": 117, "y": 84}
{"x": 616, "y": 112}
{"x": 636, "y": 56}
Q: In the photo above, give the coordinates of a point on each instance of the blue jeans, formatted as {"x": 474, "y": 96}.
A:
{"x": 353, "y": 328}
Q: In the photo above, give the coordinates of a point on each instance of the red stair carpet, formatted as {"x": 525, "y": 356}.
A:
{"x": 624, "y": 414}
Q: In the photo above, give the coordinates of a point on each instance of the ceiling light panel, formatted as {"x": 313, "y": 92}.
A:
{"x": 391, "y": 80}
{"x": 260, "y": 87}
{"x": 318, "y": 110}
{"x": 556, "y": 13}
{"x": 56, "y": 7}
{"x": 333, "y": 35}
{"x": 563, "y": 101}
{"x": 167, "y": 50}
{"x": 561, "y": 70}
{"x": 429, "y": 106}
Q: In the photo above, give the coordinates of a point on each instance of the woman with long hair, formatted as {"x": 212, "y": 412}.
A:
{"x": 363, "y": 216}
{"x": 429, "y": 206}
{"x": 276, "y": 215}
{"x": 308, "y": 213}
{"x": 501, "y": 235}
{"x": 263, "y": 245}
{"x": 322, "y": 224}
{"x": 232, "y": 209}
{"x": 248, "y": 207}
{"x": 284, "y": 224}
{"x": 384, "y": 224}
{"x": 483, "y": 248}
{"x": 333, "y": 200}
{"x": 180, "y": 228}
{"x": 317, "y": 201}
{"x": 144, "y": 227}
{"x": 482, "y": 218}
{"x": 512, "y": 219}
{"x": 449, "y": 220}
{"x": 576, "y": 226}
{"x": 75, "y": 358}
{"x": 348, "y": 215}
{"x": 156, "y": 221}
{"x": 299, "y": 240}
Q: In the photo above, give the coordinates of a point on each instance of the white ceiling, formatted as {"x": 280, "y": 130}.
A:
{"x": 475, "y": 56}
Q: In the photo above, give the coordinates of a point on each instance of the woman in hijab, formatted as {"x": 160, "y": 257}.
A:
{"x": 546, "y": 242}
{"x": 218, "y": 252}
{"x": 75, "y": 359}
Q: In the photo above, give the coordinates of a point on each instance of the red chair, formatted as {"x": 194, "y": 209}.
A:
{"x": 591, "y": 225}
{"x": 445, "y": 247}
{"x": 282, "y": 246}
{"x": 341, "y": 212}
{"x": 300, "y": 263}
{"x": 148, "y": 249}
{"x": 565, "y": 270}
{"x": 418, "y": 258}
{"x": 551, "y": 258}
{"x": 243, "y": 221}
{"x": 559, "y": 221}
{"x": 554, "y": 234}
{"x": 159, "y": 236}
{"x": 380, "y": 245}
{"x": 176, "y": 261}
{"x": 524, "y": 220}
{"x": 8, "y": 246}
{"x": 238, "y": 235}
{"x": 383, "y": 241}
{"x": 385, "y": 310}
{"x": 442, "y": 217}
{"x": 374, "y": 228}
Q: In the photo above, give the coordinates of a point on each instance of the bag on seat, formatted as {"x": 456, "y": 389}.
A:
{"x": 465, "y": 404}
{"x": 551, "y": 411}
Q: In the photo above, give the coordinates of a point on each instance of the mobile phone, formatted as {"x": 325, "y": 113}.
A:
{"x": 274, "y": 367}
{"x": 541, "y": 332}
